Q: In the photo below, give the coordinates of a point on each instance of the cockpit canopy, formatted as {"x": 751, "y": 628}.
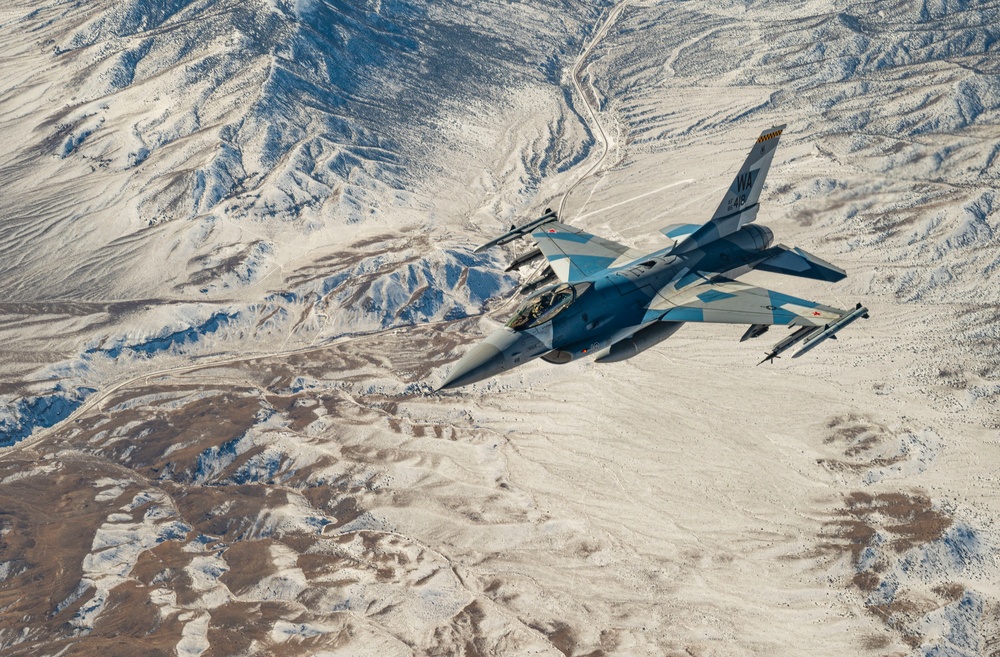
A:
{"x": 543, "y": 307}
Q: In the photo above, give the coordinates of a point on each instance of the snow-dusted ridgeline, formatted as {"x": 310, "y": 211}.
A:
{"x": 260, "y": 175}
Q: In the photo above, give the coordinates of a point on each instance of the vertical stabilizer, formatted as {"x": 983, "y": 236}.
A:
{"x": 739, "y": 205}
{"x": 745, "y": 189}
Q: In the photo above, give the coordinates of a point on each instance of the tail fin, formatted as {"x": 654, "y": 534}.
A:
{"x": 739, "y": 205}
{"x": 746, "y": 187}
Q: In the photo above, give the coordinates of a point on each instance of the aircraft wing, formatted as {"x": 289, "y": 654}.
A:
{"x": 575, "y": 255}
{"x": 724, "y": 301}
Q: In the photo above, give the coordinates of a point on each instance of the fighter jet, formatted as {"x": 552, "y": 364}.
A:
{"x": 601, "y": 299}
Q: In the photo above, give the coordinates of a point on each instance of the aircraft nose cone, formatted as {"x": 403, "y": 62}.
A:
{"x": 482, "y": 362}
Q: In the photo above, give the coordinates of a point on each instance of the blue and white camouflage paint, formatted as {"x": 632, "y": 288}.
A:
{"x": 613, "y": 302}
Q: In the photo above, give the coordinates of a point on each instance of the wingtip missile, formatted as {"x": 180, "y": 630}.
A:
{"x": 516, "y": 232}
{"x": 830, "y": 330}
{"x": 811, "y": 336}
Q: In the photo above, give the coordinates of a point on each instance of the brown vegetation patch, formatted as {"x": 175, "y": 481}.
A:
{"x": 559, "y": 634}
{"x": 322, "y": 267}
{"x": 875, "y": 642}
{"x": 866, "y": 581}
{"x": 900, "y": 614}
{"x": 236, "y": 626}
{"x": 249, "y": 562}
{"x": 910, "y": 519}
{"x": 152, "y": 436}
{"x": 161, "y": 643}
{"x": 463, "y": 635}
{"x": 857, "y": 434}
{"x": 346, "y": 510}
{"x": 836, "y": 465}
{"x": 233, "y": 628}
{"x": 321, "y": 565}
{"x": 198, "y": 425}
{"x": 299, "y": 541}
{"x": 51, "y": 520}
{"x": 227, "y": 511}
{"x": 207, "y": 272}
{"x": 164, "y": 565}
{"x": 889, "y": 524}
{"x": 951, "y": 592}
{"x": 130, "y": 613}
{"x": 292, "y": 408}
{"x": 906, "y": 521}
{"x": 866, "y": 444}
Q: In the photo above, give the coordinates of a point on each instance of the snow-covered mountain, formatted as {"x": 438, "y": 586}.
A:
{"x": 224, "y": 137}
{"x": 277, "y": 164}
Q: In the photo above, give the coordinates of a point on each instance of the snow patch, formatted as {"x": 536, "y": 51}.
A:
{"x": 116, "y": 549}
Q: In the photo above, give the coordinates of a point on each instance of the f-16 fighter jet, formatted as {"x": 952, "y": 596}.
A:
{"x": 602, "y": 299}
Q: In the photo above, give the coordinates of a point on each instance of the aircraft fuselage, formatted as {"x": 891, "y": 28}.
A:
{"x": 611, "y": 308}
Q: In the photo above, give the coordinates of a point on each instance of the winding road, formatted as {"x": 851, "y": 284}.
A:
{"x": 589, "y": 99}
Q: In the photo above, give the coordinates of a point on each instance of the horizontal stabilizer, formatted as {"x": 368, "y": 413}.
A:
{"x": 677, "y": 232}
{"x": 796, "y": 262}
